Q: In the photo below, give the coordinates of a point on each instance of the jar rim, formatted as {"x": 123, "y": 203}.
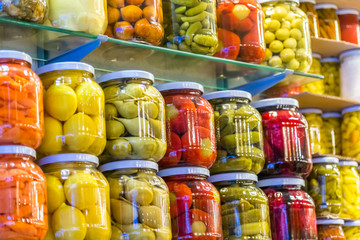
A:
{"x": 349, "y": 53}
{"x": 316, "y": 55}
{"x": 354, "y": 223}
{"x": 59, "y": 66}
{"x": 228, "y": 94}
{"x": 330, "y": 59}
{"x": 69, "y": 157}
{"x": 174, "y": 171}
{"x": 348, "y": 163}
{"x": 310, "y": 1}
{"x": 265, "y": 1}
{"x": 331, "y": 115}
{"x": 311, "y": 110}
{"x": 232, "y": 176}
{"x": 17, "y": 149}
{"x": 325, "y": 6}
{"x": 12, "y": 54}
{"x": 126, "y": 74}
{"x": 325, "y": 160}
{"x": 180, "y": 85}
{"x": 281, "y": 181}
{"x": 344, "y": 11}
{"x": 270, "y": 102}
{"x": 350, "y": 109}
{"x": 323, "y": 221}
{"x": 129, "y": 164}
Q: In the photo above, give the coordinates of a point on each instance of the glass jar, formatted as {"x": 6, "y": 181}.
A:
{"x": 189, "y": 126}
{"x": 190, "y": 25}
{"x": 350, "y": 132}
{"x": 328, "y": 21}
{"x": 331, "y": 133}
{"x": 32, "y": 11}
{"x": 292, "y": 211}
{"x": 330, "y": 229}
{"x": 317, "y": 86}
{"x": 74, "y": 109}
{"x": 137, "y": 20}
{"x": 140, "y": 205}
{"x": 135, "y": 117}
{"x": 308, "y": 6}
{"x": 331, "y": 70}
{"x": 78, "y": 197}
{"x": 23, "y": 212}
{"x": 76, "y": 15}
{"x": 287, "y": 35}
{"x": 350, "y": 74}
{"x": 240, "y": 32}
{"x": 22, "y": 111}
{"x": 352, "y": 230}
{"x": 244, "y": 207}
{"x": 349, "y": 25}
{"x": 286, "y": 137}
{"x": 194, "y": 204}
{"x": 350, "y": 183}
{"x": 324, "y": 187}
{"x": 315, "y": 123}
{"x": 238, "y": 131}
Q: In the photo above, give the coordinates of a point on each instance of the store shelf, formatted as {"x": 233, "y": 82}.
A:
{"x": 341, "y": 158}
{"x": 354, "y": 4}
{"x": 324, "y": 102}
{"x": 330, "y": 48}
{"x": 44, "y": 42}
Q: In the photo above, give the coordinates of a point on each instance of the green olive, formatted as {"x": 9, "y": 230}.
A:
{"x": 302, "y": 43}
{"x": 275, "y": 61}
{"x": 282, "y": 34}
{"x": 297, "y": 23}
{"x": 296, "y": 34}
{"x": 269, "y": 37}
{"x": 293, "y": 64}
{"x": 273, "y": 26}
{"x": 290, "y": 17}
{"x": 290, "y": 43}
{"x": 304, "y": 66}
{"x": 287, "y": 55}
{"x": 286, "y": 24}
{"x": 279, "y": 13}
{"x": 301, "y": 54}
{"x": 276, "y": 46}
{"x": 268, "y": 54}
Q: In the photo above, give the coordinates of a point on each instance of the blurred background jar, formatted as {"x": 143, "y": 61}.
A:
{"x": 317, "y": 86}
{"x": 350, "y": 74}
{"x": 331, "y": 133}
{"x": 349, "y": 25}
{"x": 328, "y": 21}
{"x": 308, "y": 6}
{"x": 331, "y": 70}
{"x": 330, "y": 229}
{"x": 32, "y": 11}
{"x": 350, "y": 132}
{"x": 315, "y": 123}
{"x": 352, "y": 230}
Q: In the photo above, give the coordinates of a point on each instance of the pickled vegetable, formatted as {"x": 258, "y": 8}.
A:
{"x": 331, "y": 133}
{"x": 317, "y": 86}
{"x": 309, "y": 8}
{"x": 328, "y": 21}
{"x": 349, "y": 75}
{"x": 352, "y": 230}
{"x": 331, "y": 71}
{"x": 27, "y": 10}
{"x": 350, "y": 132}
{"x": 315, "y": 123}
{"x": 349, "y": 25}
{"x": 330, "y": 229}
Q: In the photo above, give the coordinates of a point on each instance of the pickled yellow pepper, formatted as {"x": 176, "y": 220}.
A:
{"x": 331, "y": 133}
{"x": 350, "y": 129}
{"x": 317, "y": 86}
{"x": 331, "y": 71}
{"x": 352, "y": 230}
{"x": 313, "y": 117}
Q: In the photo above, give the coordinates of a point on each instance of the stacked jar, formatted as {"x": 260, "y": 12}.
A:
{"x": 352, "y": 230}
{"x": 350, "y": 129}
{"x": 331, "y": 70}
{"x": 308, "y": 6}
{"x": 331, "y": 133}
{"x": 349, "y": 25}
{"x": 317, "y": 86}
{"x": 328, "y": 21}
{"x": 315, "y": 123}
{"x": 330, "y": 229}
{"x": 349, "y": 72}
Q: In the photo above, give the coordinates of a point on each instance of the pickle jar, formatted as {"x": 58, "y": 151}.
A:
{"x": 315, "y": 123}
{"x": 331, "y": 133}
{"x": 244, "y": 207}
{"x": 317, "y": 86}
{"x": 194, "y": 204}
{"x": 74, "y": 109}
{"x": 349, "y": 25}
{"x": 350, "y": 132}
{"x": 287, "y": 35}
{"x": 328, "y": 21}
{"x": 189, "y": 126}
{"x": 238, "y": 131}
{"x": 350, "y": 183}
{"x": 140, "y": 205}
{"x": 32, "y": 11}
{"x": 136, "y": 20}
{"x": 23, "y": 211}
{"x": 21, "y": 112}
{"x": 308, "y": 6}
{"x": 350, "y": 74}
{"x": 352, "y": 230}
{"x": 286, "y": 137}
{"x": 78, "y": 197}
{"x": 240, "y": 32}
{"x": 135, "y": 117}
{"x": 331, "y": 70}
{"x": 190, "y": 25}
{"x": 292, "y": 211}
{"x": 324, "y": 187}
{"x": 330, "y": 229}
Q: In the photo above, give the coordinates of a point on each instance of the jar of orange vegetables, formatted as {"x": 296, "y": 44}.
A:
{"x": 21, "y": 101}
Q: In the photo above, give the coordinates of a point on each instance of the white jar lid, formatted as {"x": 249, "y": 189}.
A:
{"x": 348, "y": 53}
{"x": 331, "y": 115}
{"x": 325, "y": 160}
{"x": 310, "y": 110}
{"x": 326, "y": 6}
{"x": 228, "y": 94}
{"x": 11, "y": 54}
{"x": 348, "y": 163}
{"x": 16, "y": 149}
{"x": 330, "y": 59}
{"x": 265, "y": 1}
{"x": 232, "y": 177}
{"x": 350, "y": 109}
{"x": 310, "y": 1}
{"x": 183, "y": 171}
{"x": 129, "y": 164}
{"x": 281, "y": 181}
{"x": 180, "y": 85}
{"x": 329, "y": 221}
{"x": 66, "y": 66}
{"x": 274, "y": 102}
{"x": 316, "y": 55}
{"x": 355, "y": 223}
{"x": 126, "y": 74}
{"x": 69, "y": 157}
{"x": 344, "y": 11}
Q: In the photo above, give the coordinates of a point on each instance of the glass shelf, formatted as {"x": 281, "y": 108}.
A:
{"x": 44, "y": 42}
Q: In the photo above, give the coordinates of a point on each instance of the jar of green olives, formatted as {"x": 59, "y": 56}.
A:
{"x": 140, "y": 205}
{"x": 331, "y": 133}
{"x": 287, "y": 35}
{"x": 238, "y": 130}
{"x": 244, "y": 207}
{"x": 313, "y": 117}
{"x": 331, "y": 71}
{"x": 325, "y": 188}
{"x": 317, "y": 86}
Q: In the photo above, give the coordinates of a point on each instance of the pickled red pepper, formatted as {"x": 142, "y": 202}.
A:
{"x": 349, "y": 25}
{"x": 330, "y": 229}
{"x": 328, "y": 21}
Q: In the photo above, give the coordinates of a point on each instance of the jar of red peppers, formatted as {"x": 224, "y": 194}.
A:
{"x": 330, "y": 229}
{"x": 244, "y": 207}
{"x": 21, "y": 95}
{"x": 286, "y": 137}
{"x": 194, "y": 204}
{"x": 328, "y": 21}
{"x": 292, "y": 211}
{"x": 238, "y": 131}
{"x": 349, "y": 25}
{"x": 240, "y": 32}
{"x": 308, "y": 6}
{"x": 189, "y": 126}
{"x": 23, "y": 211}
